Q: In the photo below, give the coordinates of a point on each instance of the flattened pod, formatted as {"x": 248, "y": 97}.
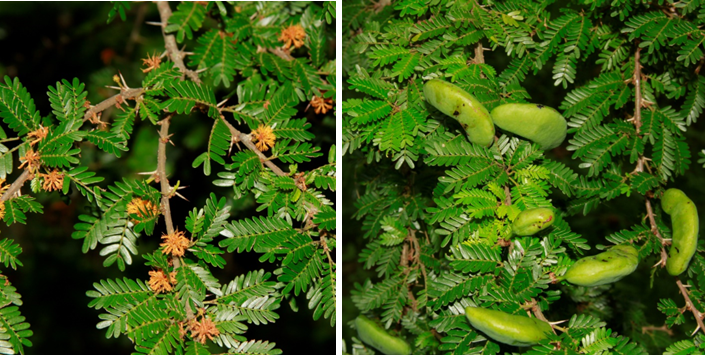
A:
{"x": 606, "y": 267}
{"x": 457, "y": 103}
{"x": 685, "y": 224}
{"x": 375, "y": 336}
{"x": 537, "y": 123}
{"x": 531, "y": 221}
{"x": 508, "y": 328}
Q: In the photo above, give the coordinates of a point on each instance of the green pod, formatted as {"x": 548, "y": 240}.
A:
{"x": 457, "y": 103}
{"x": 531, "y": 221}
{"x": 537, "y": 123}
{"x": 684, "y": 219}
{"x": 508, "y": 328}
{"x": 606, "y": 267}
{"x": 375, "y": 336}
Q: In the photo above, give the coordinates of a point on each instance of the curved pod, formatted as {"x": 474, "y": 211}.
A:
{"x": 537, "y": 123}
{"x": 685, "y": 224}
{"x": 465, "y": 108}
{"x": 604, "y": 268}
{"x": 375, "y": 336}
{"x": 532, "y": 221}
{"x": 508, "y": 328}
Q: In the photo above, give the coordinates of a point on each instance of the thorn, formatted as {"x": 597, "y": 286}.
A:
{"x": 696, "y": 330}
{"x": 201, "y": 70}
{"x": 154, "y": 23}
{"x": 123, "y": 81}
{"x": 181, "y": 196}
{"x": 113, "y": 87}
{"x": 147, "y": 173}
{"x": 187, "y": 53}
{"x": 222, "y": 102}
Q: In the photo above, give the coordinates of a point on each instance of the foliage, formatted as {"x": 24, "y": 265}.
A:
{"x": 238, "y": 55}
{"x": 436, "y": 210}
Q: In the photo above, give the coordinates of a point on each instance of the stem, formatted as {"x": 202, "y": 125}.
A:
{"x": 16, "y": 185}
{"x": 170, "y": 43}
{"x": 126, "y": 94}
{"x": 691, "y": 307}
{"x": 638, "y": 102}
{"x": 161, "y": 174}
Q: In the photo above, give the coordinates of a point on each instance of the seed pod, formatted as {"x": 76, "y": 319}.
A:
{"x": 684, "y": 219}
{"x": 531, "y": 221}
{"x": 457, "y": 103}
{"x": 375, "y": 336}
{"x": 606, "y": 267}
{"x": 508, "y": 328}
{"x": 537, "y": 123}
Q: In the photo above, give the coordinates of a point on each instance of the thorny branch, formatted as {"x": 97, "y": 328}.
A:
{"x": 16, "y": 185}
{"x": 130, "y": 94}
{"x": 172, "y": 49}
{"x": 247, "y": 140}
{"x": 691, "y": 307}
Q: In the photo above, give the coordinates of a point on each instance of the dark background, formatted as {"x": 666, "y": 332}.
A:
{"x": 633, "y": 300}
{"x": 43, "y": 43}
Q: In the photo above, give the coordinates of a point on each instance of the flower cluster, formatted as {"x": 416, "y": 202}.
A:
{"x": 159, "y": 281}
{"x": 264, "y": 137}
{"x": 293, "y": 34}
{"x": 54, "y": 180}
{"x": 175, "y": 243}
{"x": 142, "y": 208}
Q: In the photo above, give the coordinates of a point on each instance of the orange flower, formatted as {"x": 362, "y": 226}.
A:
{"x": 31, "y": 159}
{"x": 293, "y": 34}
{"x": 264, "y": 137}
{"x": 152, "y": 62}
{"x": 53, "y": 181}
{"x": 142, "y": 208}
{"x": 160, "y": 282}
{"x": 203, "y": 329}
{"x": 38, "y": 134}
{"x": 2, "y": 209}
{"x": 175, "y": 243}
{"x": 321, "y": 105}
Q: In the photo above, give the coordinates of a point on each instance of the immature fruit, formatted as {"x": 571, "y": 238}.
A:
{"x": 531, "y": 221}
{"x": 507, "y": 328}
{"x": 375, "y": 336}
{"x": 684, "y": 219}
{"x": 457, "y": 103}
{"x": 606, "y": 267}
{"x": 537, "y": 123}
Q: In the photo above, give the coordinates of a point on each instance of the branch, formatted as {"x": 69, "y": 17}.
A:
{"x": 247, "y": 140}
{"x": 638, "y": 101}
{"x": 691, "y": 307}
{"x": 654, "y": 230}
{"x": 16, "y": 185}
{"x": 170, "y": 43}
{"x": 130, "y": 94}
{"x": 161, "y": 174}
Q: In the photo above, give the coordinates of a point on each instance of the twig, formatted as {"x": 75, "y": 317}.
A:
{"x": 651, "y": 328}
{"x": 161, "y": 174}
{"x": 281, "y": 54}
{"x": 170, "y": 43}
{"x": 507, "y": 196}
{"x": 638, "y": 101}
{"x": 16, "y": 185}
{"x": 479, "y": 53}
{"x": 691, "y": 307}
{"x": 654, "y": 230}
{"x": 128, "y": 94}
{"x": 247, "y": 140}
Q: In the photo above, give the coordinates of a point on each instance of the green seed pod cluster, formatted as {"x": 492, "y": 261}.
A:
{"x": 465, "y": 108}
{"x": 375, "y": 336}
{"x": 532, "y": 221}
{"x": 508, "y": 328}
{"x": 606, "y": 267}
{"x": 684, "y": 219}
{"x": 537, "y": 123}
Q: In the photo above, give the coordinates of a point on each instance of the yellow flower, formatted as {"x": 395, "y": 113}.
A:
{"x": 175, "y": 243}
{"x": 264, "y": 137}
{"x": 142, "y": 208}
{"x": 293, "y": 34}
{"x": 32, "y": 160}
{"x": 321, "y": 105}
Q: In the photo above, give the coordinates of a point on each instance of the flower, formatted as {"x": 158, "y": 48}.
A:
{"x": 203, "y": 329}
{"x": 293, "y": 34}
{"x": 264, "y": 137}
{"x": 160, "y": 282}
{"x": 142, "y": 208}
{"x": 175, "y": 243}
{"x": 53, "y": 181}
{"x": 321, "y": 105}
{"x": 38, "y": 134}
{"x": 152, "y": 62}
{"x": 31, "y": 159}
{"x": 2, "y": 209}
